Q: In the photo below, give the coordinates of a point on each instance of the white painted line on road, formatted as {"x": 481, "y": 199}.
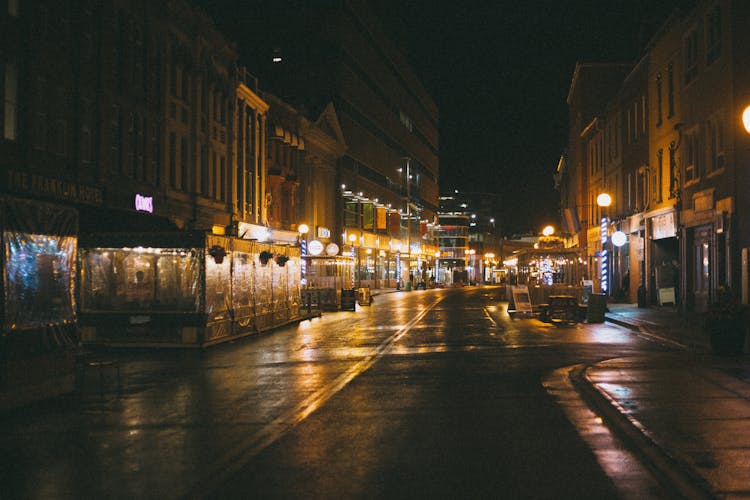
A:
{"x": 489, "y": 316}
{"x": 231, "y": 462}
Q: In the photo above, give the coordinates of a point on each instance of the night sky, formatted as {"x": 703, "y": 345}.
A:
{"x": 499, "y": 72}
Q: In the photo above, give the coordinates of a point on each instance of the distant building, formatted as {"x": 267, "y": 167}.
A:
{"x": 473, "y": 216}
{"x": 337, "y": 54}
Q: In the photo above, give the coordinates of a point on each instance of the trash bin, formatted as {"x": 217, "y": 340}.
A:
{"x": 348, "y": 303}
{"x": 364, "y": 296}
{"x": 597, "y": 306}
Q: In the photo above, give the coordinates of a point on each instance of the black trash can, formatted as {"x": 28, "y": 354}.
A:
{"x": 597, "y": 306}
{"x": 348, "y": 299}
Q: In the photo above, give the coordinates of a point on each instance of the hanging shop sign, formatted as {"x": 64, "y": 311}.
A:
{"x": 144, "y": 203}
{"x": 332, "y": 249}
{"x": 315, "y": 247}
{"x": 662, "y": 226}
{"x": 324, "y": 232}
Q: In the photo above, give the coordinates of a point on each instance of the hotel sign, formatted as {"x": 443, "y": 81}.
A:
{"x": 36, "y": 184}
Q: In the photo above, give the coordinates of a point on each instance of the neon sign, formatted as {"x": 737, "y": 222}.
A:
{"x": 144, "y": 203}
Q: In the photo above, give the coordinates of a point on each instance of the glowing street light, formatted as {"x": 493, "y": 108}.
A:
{"x": 604, "y": 200}
{"x": 548, "y": 231}
{"x": 746, "y": 119}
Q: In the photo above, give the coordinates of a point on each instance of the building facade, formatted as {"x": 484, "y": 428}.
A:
{"x": 388, "y": 175}
{"x": 680, "y": 191}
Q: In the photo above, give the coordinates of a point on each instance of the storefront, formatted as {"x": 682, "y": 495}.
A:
{"x": 38, "y": 313}
{"x": 188, "y": 289}
{"x": 326, "y": 276}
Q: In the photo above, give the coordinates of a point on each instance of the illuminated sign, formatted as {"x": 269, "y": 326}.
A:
{"x": 315, "y": 247}
{"x": 619, "y": 238}
{"x": 324, "y": 232}
{"x": 144, "y": 203}
{"x": 332, "y": 249}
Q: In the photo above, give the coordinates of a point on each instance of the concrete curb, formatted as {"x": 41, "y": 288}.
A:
{"x": 637, "y": 327}
{"x": 669, "y": 471}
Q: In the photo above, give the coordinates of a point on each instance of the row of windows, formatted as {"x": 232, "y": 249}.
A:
{"x": 212, "y": 171}
{"x": 702, "y": 154}
{"x": 670, "y": 94}
{"x": 710, "y": 29}
{"x": 704, "y": 149}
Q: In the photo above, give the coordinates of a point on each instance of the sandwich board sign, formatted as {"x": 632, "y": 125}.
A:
{"x": 521, "y": 298}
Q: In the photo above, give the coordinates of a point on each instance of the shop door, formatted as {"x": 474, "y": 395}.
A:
{"x": 702, "y": 256}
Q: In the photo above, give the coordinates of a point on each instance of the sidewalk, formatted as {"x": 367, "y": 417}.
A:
{"x": 686, "y": 412}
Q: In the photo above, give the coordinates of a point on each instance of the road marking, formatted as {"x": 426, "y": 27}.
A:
{"x": 231, "y": 462}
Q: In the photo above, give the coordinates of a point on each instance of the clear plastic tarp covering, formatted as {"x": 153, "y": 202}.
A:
{"x": 330, "y": 272}
{"x": 242, "y": 276}
{"x": 157, "y": 279}
{"x": 294, "y": 276}
{"x": 39, "y": 249}
{"x": 218, "y": 280}
{"x": 280, "y": 284}
{"x": 39, "y": 273}
{"x": 264, "y": 281}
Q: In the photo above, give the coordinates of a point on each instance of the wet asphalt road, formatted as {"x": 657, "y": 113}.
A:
{"x": 425, "y": 394}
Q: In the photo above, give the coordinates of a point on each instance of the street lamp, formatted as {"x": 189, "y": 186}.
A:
{"x": 604, "y": 200}
{"x": 746, "y": 119}
{"x": 548, "y": 231}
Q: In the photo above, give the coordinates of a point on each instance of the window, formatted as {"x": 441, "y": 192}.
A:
{"x": 184, "y": 163}
{"x": 670, "y": 90}
{"x": 114, "y": 127}
{"x": 131, "y": 145}
{"x": 715, "y": 142}
{"x": 713, "y": 34}
{"x": 87, "y": 118}
{"x": 204, "y": 169}
{"x": 691, "y": 56}
{"x": 691, "y": 157}
{"x": 673, "y": 182}
{"x": 656, "y": 177}
{"x": 642, "y": 188}
{"x": 40, "y": 117}
{"x": 10, "y": 108}
{"x": 185, "y": 91}
{"x": 172, "y": 160}
{"x": 221, "y": 195}
{"x": 153, "y": 173}
{"x": 139, "y": 147}
{"x": 60, "y": 137}
{"x": 658, "y": 99}
{"x": 173, "y": 79}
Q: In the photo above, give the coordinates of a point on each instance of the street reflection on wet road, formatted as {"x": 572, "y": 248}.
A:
{"x": 415, "y": 365}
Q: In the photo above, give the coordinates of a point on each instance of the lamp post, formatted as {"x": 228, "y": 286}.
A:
{"x": 352, "y": 240}
{"x": 604, "y": 200}
{"x": 744, "y": 292}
